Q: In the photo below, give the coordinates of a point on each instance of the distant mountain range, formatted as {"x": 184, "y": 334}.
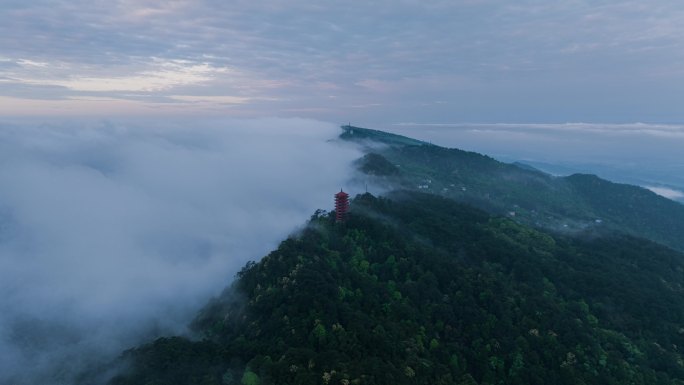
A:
{"x": 467, "y": 271}
{"x": 576, "y": 203}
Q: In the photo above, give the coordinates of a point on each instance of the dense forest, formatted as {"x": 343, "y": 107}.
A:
{"x": 418, "y": 289}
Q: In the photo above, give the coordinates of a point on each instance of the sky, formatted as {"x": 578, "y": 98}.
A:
{"x": 374, "y": 63}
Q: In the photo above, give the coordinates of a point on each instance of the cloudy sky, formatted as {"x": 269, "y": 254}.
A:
{"x": 371, "y": 62}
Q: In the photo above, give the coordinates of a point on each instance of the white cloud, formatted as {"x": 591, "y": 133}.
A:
{"x": 666, "y": 192}
{"x": 31, "y": 63}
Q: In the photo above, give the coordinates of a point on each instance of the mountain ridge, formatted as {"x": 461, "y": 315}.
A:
{"x": 572, "y": 204}
{"x": 421, "y": 286}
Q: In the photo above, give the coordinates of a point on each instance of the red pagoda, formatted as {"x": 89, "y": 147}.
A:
{"x": 341, "y": 206}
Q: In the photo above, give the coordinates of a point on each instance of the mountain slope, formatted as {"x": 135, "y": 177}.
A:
{"x": 571, "y": 204}
{"x": 422, "y": 290}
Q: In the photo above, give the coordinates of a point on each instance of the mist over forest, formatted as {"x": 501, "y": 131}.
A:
{"x": 115, "y": 232}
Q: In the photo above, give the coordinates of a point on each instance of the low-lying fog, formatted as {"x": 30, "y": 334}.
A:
{"x": 112, "y": 233}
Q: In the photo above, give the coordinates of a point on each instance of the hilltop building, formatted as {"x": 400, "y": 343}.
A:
{"x": 341, "y": 206}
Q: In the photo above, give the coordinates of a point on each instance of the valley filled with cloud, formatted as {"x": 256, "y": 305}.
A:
{"x": 113, "y": 233}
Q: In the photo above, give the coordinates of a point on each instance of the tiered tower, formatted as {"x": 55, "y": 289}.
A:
{"x": 341, "y": 206}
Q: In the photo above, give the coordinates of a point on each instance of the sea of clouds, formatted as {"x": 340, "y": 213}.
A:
{"x": 112, "y": 233}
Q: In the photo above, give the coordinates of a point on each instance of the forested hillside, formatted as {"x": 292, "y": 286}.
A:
{"x": 568, "y": 204}
{"x": 419, "y": 289}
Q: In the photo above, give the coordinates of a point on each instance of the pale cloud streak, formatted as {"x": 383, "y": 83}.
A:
{"x": 161, "y": 76}
{"x": 666, "y": 192}
{"x": 211, "y": 99}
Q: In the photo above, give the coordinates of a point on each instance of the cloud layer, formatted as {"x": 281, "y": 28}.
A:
{"x": 113, "y": 232}
{"x": 465, "y": 60}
